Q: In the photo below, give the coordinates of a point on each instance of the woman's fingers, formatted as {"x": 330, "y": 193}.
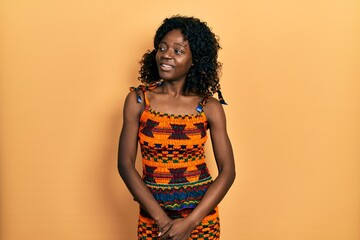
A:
{"x": 164, "y": 231}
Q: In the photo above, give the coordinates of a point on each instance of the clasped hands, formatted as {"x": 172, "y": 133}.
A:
{"x": 176, "y": 229}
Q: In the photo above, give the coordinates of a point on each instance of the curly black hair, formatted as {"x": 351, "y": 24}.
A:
{"x": 203, "y": 76}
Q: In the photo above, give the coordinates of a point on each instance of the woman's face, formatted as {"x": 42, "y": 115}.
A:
{"x": 173, "y": 56}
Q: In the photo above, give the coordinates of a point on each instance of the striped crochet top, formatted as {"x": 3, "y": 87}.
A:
{"x": 173, "y": 159}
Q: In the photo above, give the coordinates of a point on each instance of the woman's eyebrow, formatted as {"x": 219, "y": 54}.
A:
{"x": 181, "y": 44}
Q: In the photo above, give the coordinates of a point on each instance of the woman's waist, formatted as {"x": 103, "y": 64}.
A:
{"x": 179, "y": 196}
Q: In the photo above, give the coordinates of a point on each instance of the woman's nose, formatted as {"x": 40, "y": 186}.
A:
{"x": 167, "y": 53}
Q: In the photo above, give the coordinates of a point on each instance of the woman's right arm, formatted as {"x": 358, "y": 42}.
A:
{"x": 127, "y": 157}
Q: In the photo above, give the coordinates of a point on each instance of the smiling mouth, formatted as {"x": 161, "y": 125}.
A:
{"x": 166, "y": 67}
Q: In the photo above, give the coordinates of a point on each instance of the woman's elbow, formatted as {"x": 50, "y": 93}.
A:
{"x": 122, "y": 167}
{"x": 229, "y": 173}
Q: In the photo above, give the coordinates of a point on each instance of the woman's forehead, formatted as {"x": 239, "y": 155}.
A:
{"x": 176, "y": 37}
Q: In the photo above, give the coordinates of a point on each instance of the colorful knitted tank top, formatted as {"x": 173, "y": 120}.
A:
{"x": 174, "y": 167}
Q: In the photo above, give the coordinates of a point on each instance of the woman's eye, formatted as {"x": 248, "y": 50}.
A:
{"x": 178, "y": 51}
{"x": 162, "y": 48}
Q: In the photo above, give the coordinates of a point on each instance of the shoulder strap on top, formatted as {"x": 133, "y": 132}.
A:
{"x": 205, "y": 100}
{"x": 144, "y": 88}
{"x": 201, "y": 105}
{"x": 137, "y": 89}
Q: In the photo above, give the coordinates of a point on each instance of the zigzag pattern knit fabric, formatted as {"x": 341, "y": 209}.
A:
{"x": 174, "y": 167}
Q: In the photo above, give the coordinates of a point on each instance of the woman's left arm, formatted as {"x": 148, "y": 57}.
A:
{"x": 225, "y": 162}
{"x": 224, "y": 159}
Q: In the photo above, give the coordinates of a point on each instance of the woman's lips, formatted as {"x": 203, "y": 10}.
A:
{"x": 165, "y": 67}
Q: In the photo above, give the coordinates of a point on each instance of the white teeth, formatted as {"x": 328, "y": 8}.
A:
{"x": 165, "y": 65}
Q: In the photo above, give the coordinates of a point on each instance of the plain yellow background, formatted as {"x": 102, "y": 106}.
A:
{"x": 291, "y": 77}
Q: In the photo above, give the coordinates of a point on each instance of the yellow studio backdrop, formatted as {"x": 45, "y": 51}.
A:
{"x": 291, "y": 77}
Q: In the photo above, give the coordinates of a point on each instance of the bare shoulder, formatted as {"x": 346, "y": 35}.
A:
{"x": 213, "y": 105}
{"x": 214, "y": 111}
{"x": 131, "y": 106}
